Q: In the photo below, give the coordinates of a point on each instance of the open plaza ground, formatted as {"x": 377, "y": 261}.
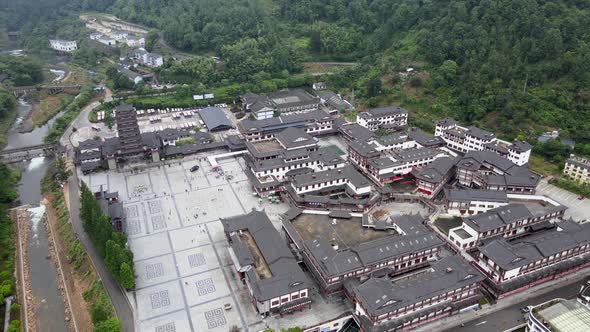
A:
{"x": 578, "y": 209}
{"x": 184, "y": 274}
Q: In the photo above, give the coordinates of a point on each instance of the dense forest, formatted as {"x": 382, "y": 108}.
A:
{"x": 516, "y": 66}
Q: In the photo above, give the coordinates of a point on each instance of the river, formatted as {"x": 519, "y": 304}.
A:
{"x": 50, "y": 311}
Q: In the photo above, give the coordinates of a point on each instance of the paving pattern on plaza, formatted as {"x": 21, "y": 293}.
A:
{"x": 183, "y": 269}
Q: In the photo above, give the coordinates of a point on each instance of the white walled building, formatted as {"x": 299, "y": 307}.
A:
{"x": 465, "y": 139}
{"x": 509, "y": 221}
{"x": 66, "y": 46}
{"x": 578, "y": 169}
{"x": 460, "y": 202}
{"x": 317, "y": 181}
{"x": 519, "y": 263}
{"x": 383, "y": 117}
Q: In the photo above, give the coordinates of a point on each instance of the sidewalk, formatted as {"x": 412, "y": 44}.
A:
{"x": 456, "y": 320}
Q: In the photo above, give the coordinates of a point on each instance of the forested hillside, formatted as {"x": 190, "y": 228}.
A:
{"x": 516, "y": 66}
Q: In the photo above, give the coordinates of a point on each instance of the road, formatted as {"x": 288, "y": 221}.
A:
{"x": 117, "y": 295}
{"x": 512, "y": 316}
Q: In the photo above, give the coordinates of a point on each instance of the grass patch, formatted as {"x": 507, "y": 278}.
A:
{"x": 48, "y": 107}
{"x": 350, "y": 115}
{"x": 483, "y": 301}
{"x": 445, "y": 224}
{"x": 543, "y": 166}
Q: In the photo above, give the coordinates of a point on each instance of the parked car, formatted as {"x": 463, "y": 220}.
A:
{"x": 580, "y": 197}
{"x": 195, "y": 168}
{"x": 525, "y": 309}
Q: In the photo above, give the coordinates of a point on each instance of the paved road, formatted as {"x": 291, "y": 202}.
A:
{"x": 512, "y": 316}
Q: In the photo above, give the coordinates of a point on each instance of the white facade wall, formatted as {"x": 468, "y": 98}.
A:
{"x": 519, "y": 158}
{"x": 472, "y": 207}
{"x": 63, "y": 45}
{"x": 279, "y": 172}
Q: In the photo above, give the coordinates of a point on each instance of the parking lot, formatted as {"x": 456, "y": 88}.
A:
{"x": 185, "y": 277}
{"x": 578, "y": 209}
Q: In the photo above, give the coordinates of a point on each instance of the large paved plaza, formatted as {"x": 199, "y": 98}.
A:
{"x": 184, "y": 274}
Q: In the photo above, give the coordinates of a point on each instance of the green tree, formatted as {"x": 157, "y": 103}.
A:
{"x": 126, "y": 276}
{"x": 109, "y": 325}
{"x": 101, "y": 309}
{"x": 151, "y": 39}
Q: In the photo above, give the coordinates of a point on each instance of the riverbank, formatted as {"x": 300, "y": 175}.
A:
{"x": 5, "y": 125}
{"x": 83, "y": 291}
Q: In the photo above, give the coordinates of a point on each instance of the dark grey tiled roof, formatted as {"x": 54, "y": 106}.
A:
{"x": 383, "y": 295}
{"x": 364, "y": 148}
{"x": 294, "y": 137}
{"x": 347, "y": 172}
{"x": 334, "y": 100}
{"x": 537, "y": 246}
{"x": 215, "y": 118}
{"x": 498, "y": 217}
{"x": 410, "y": 224}
{"x": 357, "y": 131}
{"x": 382, "y": 111}
{"x": 513, "y": 174}
{"x": 291, "y": 98}
{"x": 480, "y": 133}
{"x": 468, "y": 195}
{"x": 447, "y": 122}
{"x": 335, "y": 262}
{"x": 579, "y": 162}
{"x": 437, "y": 170}
{"x": 284, "y": 121}
{"x": 327, "y": 155}
{"x": 521, "y": 146}
{"x": 425, "y": 139}
{"x": 287, "y": 276}
{"x": 90, "y": 144}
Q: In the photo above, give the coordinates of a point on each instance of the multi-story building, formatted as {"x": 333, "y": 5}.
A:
{"x": 282, "y": 102}
{"x": 465, "y": 139}
{"x": 544, "y": 254}
{"x": 386, "y": 159}
{"x": 289, "y": 153}
{"x": 334, "y": 248}
{"x": 395, "y": 165}
{"x": 383, "y": 117}
{"x": 578, "y": 169}
{"x": 135, "y": 41}
{"x": 314, "y": 123}
{"x": 432, "y": 178}
{"x": 353, "y": 181}
{"x": 558, "y": 315}
{"x": 487, "y": 170}
{"x": 146, "y": 58}
{"x": 448, "y": 287}
{"x": 461, "y": 202}
{"x": 63, "y": 46}
{"x": 266, "y": 265}
{"x": 512, "y": 220}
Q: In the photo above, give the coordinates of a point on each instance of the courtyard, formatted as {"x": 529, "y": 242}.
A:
{"x": 185, "y": 279}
